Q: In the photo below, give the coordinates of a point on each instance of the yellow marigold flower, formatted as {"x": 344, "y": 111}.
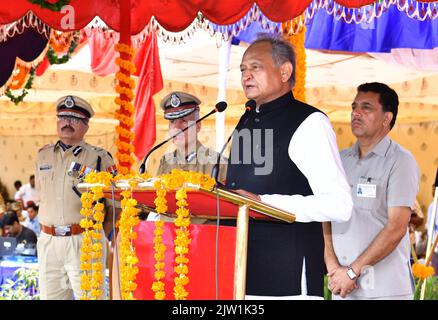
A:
{"x": 86, "y": 212}
{"x": 132, "y": 259}
{"x": 157, "y": 286}
{"x": 99, "y": 216}
{"x": 159, "y": 265}
{"x": 96, "y": 293}
{"x": 181, "y": 250}
{"x": 97, "y": 247}
{"x": 85, "y": 266}
{"x": 159, "y": 274}
{"x": 181, "y": 194}
{"x": 97, "y": 266}
{"x": 181, "y": 259}
{"x": 96, "y": 255}
{"x": 85, "y": 257}
{"x": 99, "y": 206}
{"x": 158, "y": 256}
{"x": 96, "y": 235}
{"x": 160, "y": 295}
{"x": 181, "y": 280}
{"x": 181, "y": 269}
{"x": 98, "y": 226}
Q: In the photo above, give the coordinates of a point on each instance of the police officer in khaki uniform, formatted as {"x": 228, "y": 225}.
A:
{"x": 59, "y": 168}
{"x": 182, "y": 109}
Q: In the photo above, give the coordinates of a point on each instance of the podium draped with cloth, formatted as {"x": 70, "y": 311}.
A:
{"x": 217, "y": 254}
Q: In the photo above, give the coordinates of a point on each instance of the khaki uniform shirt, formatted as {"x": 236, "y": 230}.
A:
{"x": 386, "y": 177}
{"x": 203, "y": 160}
{"x": 57, "y": 174}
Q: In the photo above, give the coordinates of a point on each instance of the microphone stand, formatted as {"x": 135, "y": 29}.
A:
{"x": 142, "y": 168}
{"x": 250, "y": 105}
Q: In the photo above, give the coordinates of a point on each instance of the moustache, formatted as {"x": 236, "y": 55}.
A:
{"x": 67, "y": 127}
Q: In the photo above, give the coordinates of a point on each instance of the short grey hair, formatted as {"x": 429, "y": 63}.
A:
{"x": 282, "y": 51}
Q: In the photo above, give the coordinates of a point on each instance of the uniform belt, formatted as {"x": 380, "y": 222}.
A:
{"x": 63, "y": 231}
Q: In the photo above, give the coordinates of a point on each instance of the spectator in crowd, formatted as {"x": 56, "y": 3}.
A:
{"x": 28, "y": 192}
{"x": 2, "y": 214}
{"x": 415, "y": 223}
{"x": 32, "y": 221}
{"x": 4, "y": 194}
{"x": 17, "y": 185}
{"x": 13, "y": 228}
{"x": 17, "y": 206}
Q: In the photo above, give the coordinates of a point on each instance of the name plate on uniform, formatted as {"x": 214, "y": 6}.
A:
{"x": 366, "y": 190}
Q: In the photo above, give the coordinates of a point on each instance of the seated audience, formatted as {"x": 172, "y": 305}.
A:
{"x": 32, "y": 221}
{"x": 13, "y": 228}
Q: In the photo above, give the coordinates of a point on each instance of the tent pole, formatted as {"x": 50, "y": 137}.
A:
{"x": 224, "y": 62}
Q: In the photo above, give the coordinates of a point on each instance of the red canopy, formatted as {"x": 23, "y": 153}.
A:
{"x": 173, "y": 15}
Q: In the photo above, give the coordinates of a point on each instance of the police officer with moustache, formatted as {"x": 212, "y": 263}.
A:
{"x": 59, "y": 168}
{"x": 182, "y": 109}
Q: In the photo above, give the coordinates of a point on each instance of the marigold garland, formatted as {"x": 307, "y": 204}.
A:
{"x": 52, "y": 54}
{"x": 159, "y": 247}
{"x": 297, "y": 41}
{"x": 92, "y": 264}
{"x": 91, "y": 250}
{"x": 176, "y": 180}
{"x": 128, "y": 221}
{"x": 181, "y": 242}
{"x": 18, "y": 99}
{"x": 20, "y": 74}
{"x": 125, "y": 112}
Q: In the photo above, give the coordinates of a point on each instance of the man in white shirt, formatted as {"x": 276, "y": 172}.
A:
{"x": 300, "y": 172}
{"x": 27, "y": 193}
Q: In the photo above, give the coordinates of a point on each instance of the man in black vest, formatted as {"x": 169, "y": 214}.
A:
{"x": 284, "y": 153}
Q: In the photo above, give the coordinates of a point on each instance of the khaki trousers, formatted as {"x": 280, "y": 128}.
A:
{"x": 59, "y": 266}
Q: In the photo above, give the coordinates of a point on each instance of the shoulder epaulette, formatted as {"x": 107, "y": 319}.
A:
{"x": 46, "y": 147}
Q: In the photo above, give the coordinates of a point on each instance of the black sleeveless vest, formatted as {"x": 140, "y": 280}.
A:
{"x": 275, "y": 249}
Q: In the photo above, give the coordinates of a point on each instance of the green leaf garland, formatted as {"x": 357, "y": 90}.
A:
{"x": 51, "y": 6}
{"x": 18, "y": 99}
{"x": 53, "y": 58}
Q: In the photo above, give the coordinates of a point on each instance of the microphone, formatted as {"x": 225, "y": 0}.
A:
{"x": 219, "y": 107}
{"x": 250, "y": 105}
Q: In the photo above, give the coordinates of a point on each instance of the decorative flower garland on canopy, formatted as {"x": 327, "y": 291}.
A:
{"x": 125, "y": 113}
{"x": 62, "y": 43}
{"x": 16, "y": 84}
{"x": 297, "y": 38}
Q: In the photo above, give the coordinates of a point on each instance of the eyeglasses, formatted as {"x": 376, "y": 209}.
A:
{"x": 72, "y": 120}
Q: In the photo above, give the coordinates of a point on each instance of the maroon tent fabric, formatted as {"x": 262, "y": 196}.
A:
{"x": 27, "y": 46}
{"x": 173, "y": 15}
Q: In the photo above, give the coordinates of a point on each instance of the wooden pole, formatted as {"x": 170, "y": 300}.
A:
{"x": 241, "y": 252}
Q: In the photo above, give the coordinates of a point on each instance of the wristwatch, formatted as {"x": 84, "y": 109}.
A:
{"x": 351, "y": 274}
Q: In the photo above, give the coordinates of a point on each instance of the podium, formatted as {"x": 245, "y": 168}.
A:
{"x": 203, "y": 204}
